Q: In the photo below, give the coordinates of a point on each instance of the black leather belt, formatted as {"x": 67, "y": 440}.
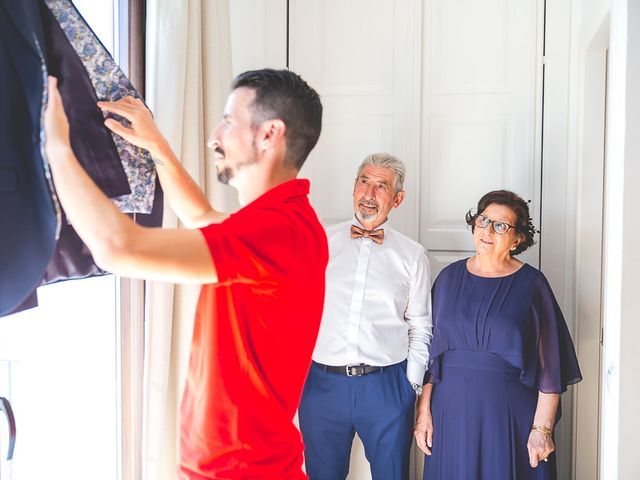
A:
{"x": 350, "y": 370}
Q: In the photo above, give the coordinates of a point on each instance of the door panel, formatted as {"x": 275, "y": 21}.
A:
{"x": 590, "y": 257}
{"x": 440, "y": 259}
{"x": 363, "y": 57}
{"x": 478, "y": 60}
{"x": 258, "y": 30}
{"x": 479, "y": 122}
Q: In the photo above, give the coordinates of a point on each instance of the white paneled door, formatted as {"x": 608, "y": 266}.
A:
{"x": 363, "y": 57}
{"x": 452, "y": 87}
{"x": 480, "y": 115}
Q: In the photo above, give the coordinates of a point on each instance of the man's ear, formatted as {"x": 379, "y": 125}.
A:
{"x": 399, "y": 198}
{"x": 271, "y": 133}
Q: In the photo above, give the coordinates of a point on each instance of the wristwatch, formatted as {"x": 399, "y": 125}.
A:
{"x": 417, "y": 388}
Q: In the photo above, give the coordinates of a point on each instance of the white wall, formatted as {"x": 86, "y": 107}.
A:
{"x": 558, "y": 194}
{"x": 629, "y": 377}
{"x": 621, "y": 421}
{"x": 618, "y": 372}
{"x": 589, "y": 41}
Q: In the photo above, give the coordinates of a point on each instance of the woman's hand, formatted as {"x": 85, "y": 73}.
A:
{"x": 423, "y": 431}
{"x": 56, "y": 124}
{"x": 142, "y": 130}
{"x": 540, "y": 446}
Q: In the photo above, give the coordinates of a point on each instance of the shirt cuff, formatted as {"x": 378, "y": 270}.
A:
{"x": 415, "y": 371}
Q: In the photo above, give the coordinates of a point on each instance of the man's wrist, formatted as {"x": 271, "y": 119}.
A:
{"x": 58, "y": 150}
{"x": 159, "y": 151}
{"x": 417, "y": 388}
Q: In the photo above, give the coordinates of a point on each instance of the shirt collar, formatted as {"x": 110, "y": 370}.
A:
{"x": 357, "y": 223}
{"x": 298, "y": 187}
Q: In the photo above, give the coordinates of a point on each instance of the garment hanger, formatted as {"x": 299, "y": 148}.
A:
{"x": 5, "y": 407}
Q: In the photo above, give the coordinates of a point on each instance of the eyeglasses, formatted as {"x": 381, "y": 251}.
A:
{"x": 499, "y": 227}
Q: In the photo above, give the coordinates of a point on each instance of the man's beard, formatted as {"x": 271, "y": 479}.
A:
{"x": 368, "y": 217}
{"x": 225, "y": 175}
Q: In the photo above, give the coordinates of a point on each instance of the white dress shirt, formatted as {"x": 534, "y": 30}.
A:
{"x": 377, "y": 307}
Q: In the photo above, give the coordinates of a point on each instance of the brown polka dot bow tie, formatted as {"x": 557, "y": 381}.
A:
{"x": 375, "y": 235}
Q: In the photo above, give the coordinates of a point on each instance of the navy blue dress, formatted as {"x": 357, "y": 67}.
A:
{"x": 496, "y": 343}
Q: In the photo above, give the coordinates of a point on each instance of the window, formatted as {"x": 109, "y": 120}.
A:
{"x": 58, "y": 370}
{"x": 72, "y": 367}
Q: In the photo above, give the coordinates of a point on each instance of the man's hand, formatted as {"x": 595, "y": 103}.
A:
{"x": 184, "y": 195}
{"x": 56, "y": 124}
{"x": 142, "y": 130}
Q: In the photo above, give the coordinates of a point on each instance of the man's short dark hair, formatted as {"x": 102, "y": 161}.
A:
{"x": 283, "y": 95}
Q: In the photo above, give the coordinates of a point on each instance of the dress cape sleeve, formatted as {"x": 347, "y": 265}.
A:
{"x": 551, "y": 364}
{"x": 544, "y": 352}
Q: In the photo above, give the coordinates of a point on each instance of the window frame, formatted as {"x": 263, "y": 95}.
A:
{"x": 130, "y": 368}
{"x": 131, "y": 19}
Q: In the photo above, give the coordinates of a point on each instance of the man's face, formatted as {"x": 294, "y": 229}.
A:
{"x": 234, "y": 140}
{"x": 374, "y": 196}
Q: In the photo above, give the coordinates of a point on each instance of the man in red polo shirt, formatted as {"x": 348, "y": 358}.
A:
{"x": 262, "y": 268}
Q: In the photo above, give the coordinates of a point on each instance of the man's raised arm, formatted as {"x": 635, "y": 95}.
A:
{"x": 116, "y": 242}
{"x": 185, "y": 197}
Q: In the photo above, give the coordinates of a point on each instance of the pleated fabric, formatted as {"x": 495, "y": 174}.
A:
{"x": 497, "y": 343}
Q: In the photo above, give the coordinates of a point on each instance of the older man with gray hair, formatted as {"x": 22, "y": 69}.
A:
{"x": 373, "y": 345}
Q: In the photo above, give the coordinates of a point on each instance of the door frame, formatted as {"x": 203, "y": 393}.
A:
{"x": 591, "y": 142}
{"x": 557, "y": 190}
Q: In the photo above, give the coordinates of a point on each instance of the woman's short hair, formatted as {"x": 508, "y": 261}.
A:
{"x": 524, "y": 226}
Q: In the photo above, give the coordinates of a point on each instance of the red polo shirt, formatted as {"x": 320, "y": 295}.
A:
{"x": 253, "y": 337}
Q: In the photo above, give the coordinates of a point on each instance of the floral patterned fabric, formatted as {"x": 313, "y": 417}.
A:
{"x": 110, "y": 84}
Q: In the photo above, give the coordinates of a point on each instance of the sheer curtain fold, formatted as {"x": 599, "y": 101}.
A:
{"x": 188, "y": 73}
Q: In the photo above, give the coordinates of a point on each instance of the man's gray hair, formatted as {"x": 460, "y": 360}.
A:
{"x": 386, "y": 160}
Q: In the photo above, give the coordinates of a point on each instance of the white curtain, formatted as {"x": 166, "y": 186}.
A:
{"x": 188, "y": 73}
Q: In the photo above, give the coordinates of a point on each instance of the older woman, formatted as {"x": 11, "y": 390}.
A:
{"x": 501, "y": 355}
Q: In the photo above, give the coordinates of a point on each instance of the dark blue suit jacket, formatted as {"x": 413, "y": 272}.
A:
{"x": 36, "y": 244}
{"x": 28, "y": 220}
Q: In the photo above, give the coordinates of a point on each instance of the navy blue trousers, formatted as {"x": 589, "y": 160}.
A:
{"x": 379, "y": 406}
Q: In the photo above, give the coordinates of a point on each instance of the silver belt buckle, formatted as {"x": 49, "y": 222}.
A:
{"x": 354, "y": 370}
